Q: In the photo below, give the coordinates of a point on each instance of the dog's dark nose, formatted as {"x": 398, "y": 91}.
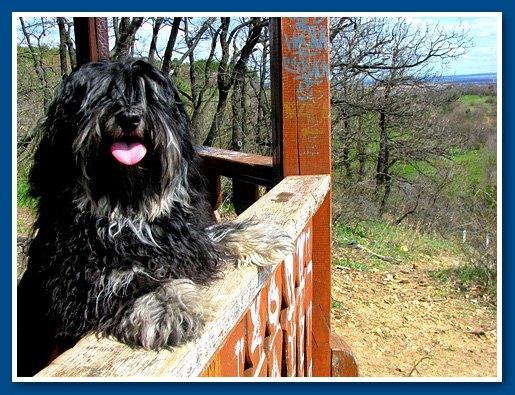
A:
{"x": 128, "y": 120}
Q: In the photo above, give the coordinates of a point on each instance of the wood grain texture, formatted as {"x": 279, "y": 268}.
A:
{"x": 252, "y": 168}
{"x": 344, "y": 362}
{"x": 290, "y": 205}
{"x": 301, "y": 95}
{"x": 322, "y": 256}
{"x": 92, "y": 41}
{"x": 302, "y": 144}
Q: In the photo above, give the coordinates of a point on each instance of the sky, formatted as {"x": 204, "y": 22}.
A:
{"x": 484, "y": 32}
{"x": 483, "y": 29}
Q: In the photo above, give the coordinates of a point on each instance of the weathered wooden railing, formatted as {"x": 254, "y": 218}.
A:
{"x": 263, "y": 323}
{"x": 248, "y": 172}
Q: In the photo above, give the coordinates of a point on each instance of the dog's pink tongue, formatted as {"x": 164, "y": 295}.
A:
{"x": 128, "y": 154}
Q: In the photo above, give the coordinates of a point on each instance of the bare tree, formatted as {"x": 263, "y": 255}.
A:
{"x": 125, "y": 33}
{"x": 66, "y": 47}
{"x": 238, "y": 80}
{"x": 167, "y": 58}
{"x": 259, "y": 95}
{"x": 37, "y": 75}
{"x": 201, "y": 75}
{"x": 36, "y": 32}
{"x": 232, "y": 70}
{"x": 157, "y": 22}
{"x": 384, "y": 68}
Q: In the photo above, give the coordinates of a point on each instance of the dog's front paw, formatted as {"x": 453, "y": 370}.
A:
{"x": 260, "y": 245}
{"x": 173, "y": 314}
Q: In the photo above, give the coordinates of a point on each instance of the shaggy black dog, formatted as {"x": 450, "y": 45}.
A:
{"x": 124, "y": 235}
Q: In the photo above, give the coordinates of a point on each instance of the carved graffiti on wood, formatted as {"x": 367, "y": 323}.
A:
{"x": 274, "y": 337}
{"x": 307, "y": 44}
{"x": 102, "y": 30}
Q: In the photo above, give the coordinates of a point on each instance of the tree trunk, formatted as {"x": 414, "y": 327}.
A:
{"x": 346, "y": 149}
{"x": 153, "y": 44}
{"x": 125, "y": 40}
{"x": 63, "y": 56}
{"x": 218, "y": 118}
{"x": 199, "y": 90}
{"x": 362, "y": 156}
{"x": 238, "y": 110}
{"x": 223, "y": 83}
{"x": 238, "y": 79}
{"x": 167, "y": 58}
{"x": 383, "y": 153}
{"x": 383, "y": 179}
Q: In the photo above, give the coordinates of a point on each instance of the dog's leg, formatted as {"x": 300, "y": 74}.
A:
{"x": 253, "y": 243}
{"x": 171, "y": 315}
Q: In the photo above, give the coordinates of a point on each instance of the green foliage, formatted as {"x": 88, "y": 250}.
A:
{"x": 212, "y": 65}
{"x": 385, "y": 238}
{"x": 350, "y": 234}
{"x": 363, "y": 266}
{"x": 390, "y": 240}
{"x": 19, "y": 227}
{"x": 23, "y": 198}
{"x": 479, "y": 182}
{"x": 467, "y": 277}
{"x": 26, "y": 73}
{"x": 183, "y": 87}
{"x": 484, "y": 106}
{"x": 410, "y": 171}
{"x": 227, "y": 207}
{"x": 476, "y": 100}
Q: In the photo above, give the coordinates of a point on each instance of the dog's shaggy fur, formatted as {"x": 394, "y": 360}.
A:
{"x": 121, "y": 248}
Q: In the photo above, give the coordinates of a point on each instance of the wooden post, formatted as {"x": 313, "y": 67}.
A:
{"x": 92, "y": 39}
{"x": 302, "y": 145}
{"x": 244, "y": 195}
{"x": 344, "y": 362}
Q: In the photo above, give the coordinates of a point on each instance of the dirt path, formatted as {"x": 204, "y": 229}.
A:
{"x": 402, "y": 322}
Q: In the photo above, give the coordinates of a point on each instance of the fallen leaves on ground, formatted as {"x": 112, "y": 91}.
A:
{"x": 401, "y": 322}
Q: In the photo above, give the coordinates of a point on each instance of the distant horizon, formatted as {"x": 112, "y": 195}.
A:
{"x": 461, "y": 74}
{"x": 476, "y": 78}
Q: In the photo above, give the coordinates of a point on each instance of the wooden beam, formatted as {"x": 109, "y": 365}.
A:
{"x": 244, "y": 194}
{"x": 301, "y": 106}
{"x": 251, "y": 168}
{"x": 302, "y": 144}
{"x": 91, "y": 39}
{"x": 343, "y": 361}
{"x": 276, "y": 81}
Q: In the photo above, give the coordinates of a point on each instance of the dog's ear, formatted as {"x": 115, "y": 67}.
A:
{"x": 54, "y": 159}
{"x": 53, "y": 165}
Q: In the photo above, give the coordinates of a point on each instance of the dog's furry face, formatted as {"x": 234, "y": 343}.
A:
{"x": 121, "y": 132}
